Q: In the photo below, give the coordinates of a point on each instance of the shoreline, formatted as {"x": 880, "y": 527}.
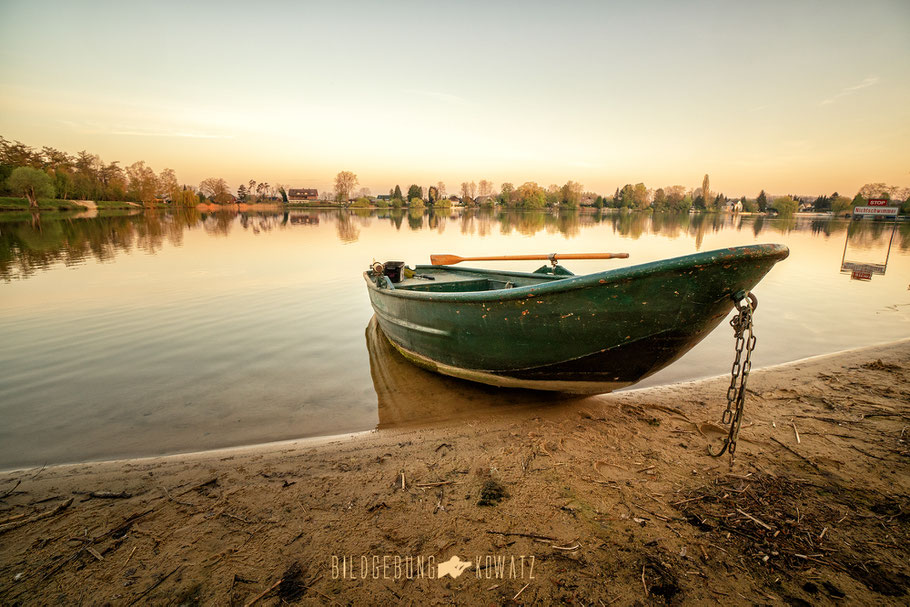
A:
{"x": 613, "y": 495}
{"x": 312, "y": 441}
{"x": 81, "y": 206}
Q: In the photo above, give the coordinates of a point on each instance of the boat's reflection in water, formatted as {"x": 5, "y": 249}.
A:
{"x": 408, "y": 394}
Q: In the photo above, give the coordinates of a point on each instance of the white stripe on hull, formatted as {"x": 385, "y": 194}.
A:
{"x": 504, "y": 381}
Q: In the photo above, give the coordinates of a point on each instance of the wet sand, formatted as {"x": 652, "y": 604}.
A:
{"x": 602, "y": 500}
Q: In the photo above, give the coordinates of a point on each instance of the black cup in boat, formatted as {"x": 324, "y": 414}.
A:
{"x": 393, "y": 270}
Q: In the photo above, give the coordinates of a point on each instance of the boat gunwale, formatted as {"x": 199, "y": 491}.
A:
{"x": 552, "y": 286}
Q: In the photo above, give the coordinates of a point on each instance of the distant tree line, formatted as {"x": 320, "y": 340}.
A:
{"x": 51, "y": 173}
{"x": 675, "y": 198}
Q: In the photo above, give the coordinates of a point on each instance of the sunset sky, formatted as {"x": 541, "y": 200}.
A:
{"x": 792, "y": 97}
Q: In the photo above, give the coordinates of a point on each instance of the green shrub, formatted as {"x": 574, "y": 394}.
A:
{"x": 785, "y": 205}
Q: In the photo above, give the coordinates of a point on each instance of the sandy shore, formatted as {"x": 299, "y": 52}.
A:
{"x": 603, "y": 500}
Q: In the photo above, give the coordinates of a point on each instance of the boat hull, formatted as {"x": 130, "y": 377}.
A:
{"x": 582, "y": 334}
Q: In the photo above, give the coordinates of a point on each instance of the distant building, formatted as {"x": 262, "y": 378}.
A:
{"x": 297, "y": 195}
{"x": 486, "y": 199}
{"x": 385, "y": 197}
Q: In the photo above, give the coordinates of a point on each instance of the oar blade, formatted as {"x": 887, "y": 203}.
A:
{"x": 445, "y": 260}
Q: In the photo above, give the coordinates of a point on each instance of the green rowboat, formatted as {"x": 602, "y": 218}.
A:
{"x": 553, "y": 330}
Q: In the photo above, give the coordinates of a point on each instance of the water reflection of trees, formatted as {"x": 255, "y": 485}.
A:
{"x": 415, "y": 219}
{"x": 218, "y": 223}
{"x": 870, "y": 234}
{"x": 344, "y": 225}
{"x": 35, "y": 244}
{"x": 258, "y": 223}
{"x": 30, "y": 244}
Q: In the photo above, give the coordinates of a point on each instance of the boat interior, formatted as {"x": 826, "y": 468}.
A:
{"x": 434, "y": 279}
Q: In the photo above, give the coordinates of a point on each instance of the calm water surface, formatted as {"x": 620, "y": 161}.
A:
{"x": 165, "y": 332}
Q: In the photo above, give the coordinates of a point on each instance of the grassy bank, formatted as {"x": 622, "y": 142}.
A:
{"x": 9, "y": 203}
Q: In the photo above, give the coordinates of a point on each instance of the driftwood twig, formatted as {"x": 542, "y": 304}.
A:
{"x": 10, "y": 492}
{"x": 755, "y": 520}
{"x": 263, "y": 593}
{"x": 155, "y": 585}
{"x": 47, "y": 513}
{"x": 797, "y": 454}
{"x": 530, "y": 535}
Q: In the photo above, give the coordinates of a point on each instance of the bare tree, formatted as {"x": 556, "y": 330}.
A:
{"x": 485, "y": 188}
{"x": 345, "y": 181}
{"x": 216, "y": 189}
{"x": 442, "y": 189}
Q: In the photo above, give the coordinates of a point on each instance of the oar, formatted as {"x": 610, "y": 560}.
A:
{"x": 448, "y": 260}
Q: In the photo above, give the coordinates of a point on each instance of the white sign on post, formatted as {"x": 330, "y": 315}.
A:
{"x": 885, "y": 211}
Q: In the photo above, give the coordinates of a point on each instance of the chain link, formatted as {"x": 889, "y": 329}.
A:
{"x": 745, "y": 303}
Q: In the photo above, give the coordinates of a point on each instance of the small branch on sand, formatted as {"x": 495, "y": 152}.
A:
{"x": 109, "y": 495}
{"x": 439, "y": 484}
{"x": 520, "y": 591}
{"x": 121, "y": 529}
{"x": 176, "y": 501}
{"x": 155, "y": 585}
{"x": 62, "y": 564}
{"x": 10, "y": 492}
{"x": 516, "y": 534}
{"x": 796, "y": 432}
{"x": 643, "y": 583}
{"x": 15, "y": 517}
{"x": 691, "y": 499}
{"x": 567, "y": 548}
{"x": 755, "y": 520}
{"x": 47, "y": 513}
{"x": 235, "y": 517}
{"x": 211, "y": 481}
{"x": 612, "y": 484}
{"x": 866, "y": 453}
{"x": 265, "y": 592}
{"x": 651, "y": 512}
{"x": 797, "y": 454}
{"x": 94, "y": 553}
{"x": 126, "y": 562}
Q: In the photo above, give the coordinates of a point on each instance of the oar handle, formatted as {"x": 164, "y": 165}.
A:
{"x": 447, "y": 260}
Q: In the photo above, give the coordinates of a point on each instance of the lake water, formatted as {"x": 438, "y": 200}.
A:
{"x": 161, "y": 332}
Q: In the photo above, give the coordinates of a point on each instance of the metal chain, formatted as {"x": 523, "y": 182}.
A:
{"x": 744, "y": 337}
